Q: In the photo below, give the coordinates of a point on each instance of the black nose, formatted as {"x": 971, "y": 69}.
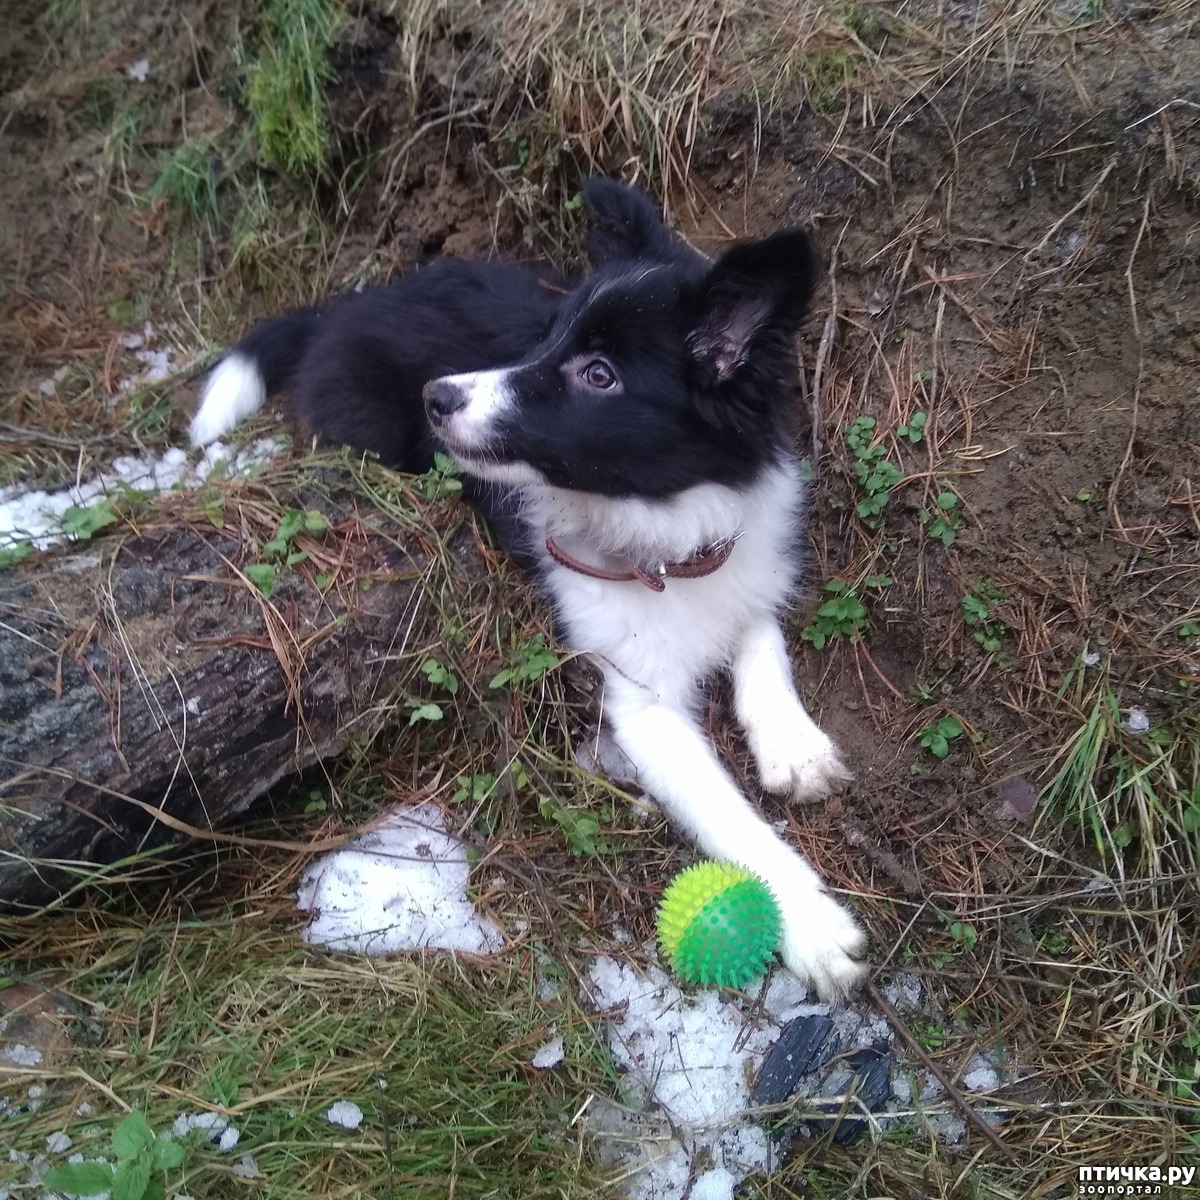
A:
{"x": 442, "y": 399}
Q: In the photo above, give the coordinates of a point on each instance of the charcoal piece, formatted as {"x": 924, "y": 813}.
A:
{"x": 803, "y": 1047}
{"x": 866, "y": 1074}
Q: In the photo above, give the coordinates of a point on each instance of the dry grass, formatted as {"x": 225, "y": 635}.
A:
{"x": 208, "y": 1004}
{"x": 1081, "y": 968}
{"x": 1079, "y": 961}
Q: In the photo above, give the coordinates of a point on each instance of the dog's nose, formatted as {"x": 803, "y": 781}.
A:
{"x": 442, "y": 399}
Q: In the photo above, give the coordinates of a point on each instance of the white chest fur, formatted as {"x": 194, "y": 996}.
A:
{"x": 668, "y": 642}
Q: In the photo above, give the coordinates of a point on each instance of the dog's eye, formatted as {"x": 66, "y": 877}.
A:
{"x": 599, "y": 374}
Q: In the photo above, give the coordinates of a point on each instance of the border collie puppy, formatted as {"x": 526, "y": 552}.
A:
{"x": 626, "y": 439}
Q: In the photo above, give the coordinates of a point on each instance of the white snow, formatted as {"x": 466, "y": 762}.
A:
{"x": 345, "y": 1113}
{"x": 216, "y": 1129}
{"x": 139, "y": 70}
{"x": 402, "y": 886}
{"x": 1138, "y": 720}
{"x": 58, "y": 1143}
{"x": 21, "y": 1055}
{"x": 246, "y": 1167}
{"x": 980, "y": 1075}
{"x": 37, "y": 516}
{"x": 688, "y": 1061}
{"x": 158, "y": 363}
{"x": 213, "y": 1124}
{"x": 550, "y": 1055}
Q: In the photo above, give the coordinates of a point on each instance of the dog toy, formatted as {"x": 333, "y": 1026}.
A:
{"x": 718, "y": 924}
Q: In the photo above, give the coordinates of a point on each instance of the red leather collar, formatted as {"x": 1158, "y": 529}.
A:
{"x": 703, "y": 563}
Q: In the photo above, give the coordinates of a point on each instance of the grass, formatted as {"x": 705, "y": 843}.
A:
{"x": 601, "y": 85}
{"x": 204, "y": 1000}
{"x": 286, "y": 95}
{"x": 212, "y": 1005}
{"x": 211, "y": 1002}
{"x": 186, "y": 181}
{"x": 1134, "y": 797}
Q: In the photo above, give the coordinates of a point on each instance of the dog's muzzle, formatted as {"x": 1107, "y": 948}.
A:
{"x": 442, "y": 400}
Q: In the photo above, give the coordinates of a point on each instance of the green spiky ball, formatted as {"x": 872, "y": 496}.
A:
{"x": 718, "y": 924}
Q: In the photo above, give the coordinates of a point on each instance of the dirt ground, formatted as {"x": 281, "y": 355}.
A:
{"x": 1014, "y": 251}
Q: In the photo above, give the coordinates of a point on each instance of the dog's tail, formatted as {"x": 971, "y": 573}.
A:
{"x": 261, "y": 363}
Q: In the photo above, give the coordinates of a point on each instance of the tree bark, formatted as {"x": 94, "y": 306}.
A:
{"x": 144, "y": 673}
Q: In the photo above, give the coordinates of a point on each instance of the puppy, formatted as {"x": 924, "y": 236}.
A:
{"x": 626, "y": 439}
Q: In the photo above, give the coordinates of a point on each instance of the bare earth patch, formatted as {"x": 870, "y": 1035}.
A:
{"x": 1002, "y": 395}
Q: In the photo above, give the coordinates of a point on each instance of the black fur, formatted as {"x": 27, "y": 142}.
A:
{"x": 366, "y": 359}
{"x": 692, "y": 405}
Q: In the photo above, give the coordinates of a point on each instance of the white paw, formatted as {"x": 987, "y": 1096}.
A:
{"x": 795, "y": 758}
{"x": 822, "y": 944}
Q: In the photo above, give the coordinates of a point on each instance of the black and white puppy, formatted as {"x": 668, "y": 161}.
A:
{"x": 626, "y": 438}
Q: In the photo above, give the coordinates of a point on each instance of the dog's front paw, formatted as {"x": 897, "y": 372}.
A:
{"x": 796, "y": 759}
{"x": 822, "y": 944}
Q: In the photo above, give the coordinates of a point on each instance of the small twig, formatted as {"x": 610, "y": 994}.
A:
{"x": 1114, "y": 487}
{"x": 891, "y": 687}
{"x": 1161, "y": 109}
{"x": 316, "y": 846}
{"x": 19, "y": 435}
{"x": 891, "y": 866}
{"x": 828, "y": 335}
{"x": 952, "y": 1090}
{"x": 1085, "y": 199}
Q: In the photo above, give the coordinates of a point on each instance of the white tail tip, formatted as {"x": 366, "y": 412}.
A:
{"x": 234, "y": 390}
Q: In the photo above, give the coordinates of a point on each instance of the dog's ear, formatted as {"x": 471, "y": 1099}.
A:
{"x": 625, "y": 224}
{"x": 756, "y": 292}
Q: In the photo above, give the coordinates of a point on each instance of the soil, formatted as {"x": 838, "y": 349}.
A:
{"x": 1016, "y": 253}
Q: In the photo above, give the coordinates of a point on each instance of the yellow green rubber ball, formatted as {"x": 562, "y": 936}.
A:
{"x": 718, "y": 925}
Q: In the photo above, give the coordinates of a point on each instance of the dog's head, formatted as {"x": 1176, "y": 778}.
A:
{"x": 662, "y": 371}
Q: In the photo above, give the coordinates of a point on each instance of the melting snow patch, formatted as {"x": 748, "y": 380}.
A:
{"x": 688, "y": 1057}
{"x": 1138, "y": 720}
{"x": 215, "y": 1127}
{"x": 688, "y": 1062}
{"x": 37, "y": 516}
{"x": 980, "y": 1075}
{"x": 21, "y": 1055}
{"x": 245, "y": 1168}
{"x": 158, "y": 364}
{"x": 402, "y": 886}
{"x": 346, "y": 1114}
{"x": 550, "y": 1055}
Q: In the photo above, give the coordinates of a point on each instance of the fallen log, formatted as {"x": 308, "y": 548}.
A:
{"x": 164, "y": 676}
